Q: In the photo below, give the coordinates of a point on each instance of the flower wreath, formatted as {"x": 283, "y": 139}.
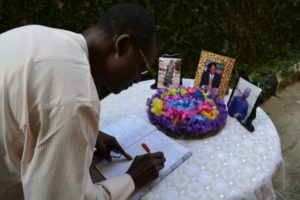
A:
{"x": 187, "y": 111}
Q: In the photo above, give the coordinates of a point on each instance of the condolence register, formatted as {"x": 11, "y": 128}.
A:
{"x": 132, "y": 132}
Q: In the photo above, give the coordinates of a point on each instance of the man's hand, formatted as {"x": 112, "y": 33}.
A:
{"x": 207, "y": 87}
{"x": 106, "y": 143}
{"x": 145, "y": 168}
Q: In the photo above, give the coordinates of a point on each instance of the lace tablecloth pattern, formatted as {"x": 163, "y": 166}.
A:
{"x": 234, "y": 164}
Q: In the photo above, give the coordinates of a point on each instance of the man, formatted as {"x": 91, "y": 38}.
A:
{"x": 210, "y": 79}
{"x": 50, "y": 108}
{"x": 169, "y": 74}
{"x": 238, "y": 107}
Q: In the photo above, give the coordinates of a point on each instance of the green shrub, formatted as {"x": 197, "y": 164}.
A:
{"x": 259, "y": 34}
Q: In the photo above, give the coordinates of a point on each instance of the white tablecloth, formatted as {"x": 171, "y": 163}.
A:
{"x": 234, "y": 164}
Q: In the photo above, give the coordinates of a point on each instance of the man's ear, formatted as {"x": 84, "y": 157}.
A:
{"x": 122, "y": 44}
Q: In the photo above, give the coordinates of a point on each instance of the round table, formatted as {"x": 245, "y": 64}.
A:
{"x": 234, "y": 164}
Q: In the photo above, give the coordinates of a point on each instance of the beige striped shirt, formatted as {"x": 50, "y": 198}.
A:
{"x": 49, "y": 113}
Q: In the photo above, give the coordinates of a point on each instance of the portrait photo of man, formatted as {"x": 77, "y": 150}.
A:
{"x": 211, "y": 78}
{"x": 239, "y": 106}
{"x": 169, "y": 72}
{"x": 241, "y": 103}
{"x": 213, "y": 72}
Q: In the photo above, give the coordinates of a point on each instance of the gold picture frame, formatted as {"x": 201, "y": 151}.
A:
{"x": 217, "y": 80}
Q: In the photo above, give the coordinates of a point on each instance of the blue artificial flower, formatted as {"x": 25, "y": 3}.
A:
{"x": 197, "y": 118}
{"x": 182, "y": 104}
{"x": 198, "y": 95}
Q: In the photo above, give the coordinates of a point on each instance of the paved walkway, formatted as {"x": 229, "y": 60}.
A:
{"x": 284, "y": 110}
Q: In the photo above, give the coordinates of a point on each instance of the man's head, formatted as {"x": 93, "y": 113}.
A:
{"x": 212, "y": 68}
{"x": 246, "y": 93}
{"x": 121, "y": 46}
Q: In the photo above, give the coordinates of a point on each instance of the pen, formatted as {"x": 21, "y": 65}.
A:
{"x": 147, "y": 149}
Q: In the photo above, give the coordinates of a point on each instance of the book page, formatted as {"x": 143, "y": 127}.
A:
{"x": 131, "y": 132}
{"x": 156, "y": 141}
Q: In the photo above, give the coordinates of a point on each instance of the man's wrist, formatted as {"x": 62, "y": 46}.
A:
{"x": 132, "y": 178}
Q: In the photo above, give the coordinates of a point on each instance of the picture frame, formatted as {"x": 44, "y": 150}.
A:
{"x": 243, "y": 101}
{"x": 213, "y": 72}
{"x": 169, "y": 71}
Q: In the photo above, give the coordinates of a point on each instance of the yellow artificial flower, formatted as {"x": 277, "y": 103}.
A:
{"x": 214, "y": 113}
{"x": 210, "y": 115}
{"x": 173, "y": 91}
{"x": 175, "y": 121}
{"x": 157, "y": 106}
{"x": 183, "y": 91}
{"x": 164, "y": 94}
{"x": 206, "y": 95}
{"x": 206, "y": 114}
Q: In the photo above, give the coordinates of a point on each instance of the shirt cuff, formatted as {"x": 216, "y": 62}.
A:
{"x": 120, "y": 187}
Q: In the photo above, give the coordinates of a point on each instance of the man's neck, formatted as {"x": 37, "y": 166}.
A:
{"x": 98, "y": 48}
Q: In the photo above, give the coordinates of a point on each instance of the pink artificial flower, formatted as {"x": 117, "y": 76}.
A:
{"x": 177, "y": 97}
{"x": 209, "y": 101}
{"x": 191, "y": 90}
{"x": 184, "y": 115}
{"x": 204, "y": 107}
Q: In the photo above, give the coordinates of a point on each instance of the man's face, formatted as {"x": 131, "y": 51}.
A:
{"x": 122, "y": 71}
{"x": 244, "y": 96}
{"x": 212, "y": 69}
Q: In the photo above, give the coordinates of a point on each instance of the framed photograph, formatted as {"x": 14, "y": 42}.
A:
{"x": 214, "y": 72}
{"x": 243, "y": 101}
{"x": 169, "y": 72}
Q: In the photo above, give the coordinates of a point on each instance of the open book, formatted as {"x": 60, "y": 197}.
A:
{"x": 131, "y": 132}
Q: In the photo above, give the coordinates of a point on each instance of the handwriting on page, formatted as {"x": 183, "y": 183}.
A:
{"x": 129, "y": 130}
{"x": 156, "y": 141}
{"x": 132, "y": 132}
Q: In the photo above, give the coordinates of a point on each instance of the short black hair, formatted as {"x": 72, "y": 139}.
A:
{"x": 132, "y": 20}
{"x": 210, "y": 65}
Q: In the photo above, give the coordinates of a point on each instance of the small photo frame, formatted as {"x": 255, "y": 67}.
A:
{"x": 214, "y": 72}
{"x": 243, "y": 102}
{"x": 169, "y": 72}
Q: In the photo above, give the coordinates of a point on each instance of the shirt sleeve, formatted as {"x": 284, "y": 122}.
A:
{"x": 58, "y": 153}
{"x": 119, "y": 187}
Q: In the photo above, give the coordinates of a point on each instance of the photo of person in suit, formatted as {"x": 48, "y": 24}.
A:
{"x": 211, "y": 78}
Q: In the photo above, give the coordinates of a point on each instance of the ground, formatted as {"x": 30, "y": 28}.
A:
{"x": 284, "y": 110}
